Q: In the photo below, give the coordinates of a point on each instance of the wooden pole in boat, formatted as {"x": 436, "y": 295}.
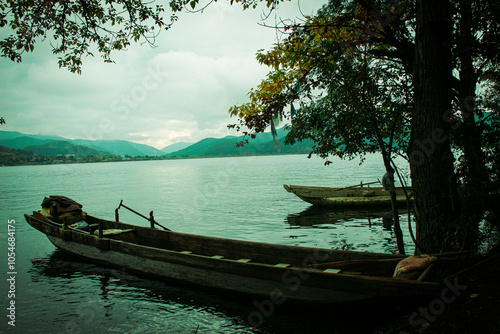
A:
{"x": 117, "y": 216}
{"x": 137, "y": 213}
{"x": 152, "y": 219}
{"x": 154, "y": 222}
{"x": 358, "y": 185}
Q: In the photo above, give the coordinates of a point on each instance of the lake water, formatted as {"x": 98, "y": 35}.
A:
{"x": 238, "y": 197}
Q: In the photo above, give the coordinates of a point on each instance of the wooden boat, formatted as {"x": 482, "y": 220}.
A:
{"x": 364, "y": 196}
{"x": 268, "y": 271}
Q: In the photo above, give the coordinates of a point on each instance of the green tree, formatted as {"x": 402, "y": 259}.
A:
{"x": 326, "y": 51}
{"x": 364, "y": 98}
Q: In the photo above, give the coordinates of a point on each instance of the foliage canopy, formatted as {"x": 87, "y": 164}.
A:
{"x": 79, "y": 28}
{"x": 352, "y": 69}
{"x": 354, "y": 99}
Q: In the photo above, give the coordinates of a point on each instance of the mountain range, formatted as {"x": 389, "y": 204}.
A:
{"x": 17, "y": 140}
{"x": 226, "y": 146}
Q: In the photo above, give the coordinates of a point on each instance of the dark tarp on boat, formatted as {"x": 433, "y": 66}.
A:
{"x": 60, "y": 208}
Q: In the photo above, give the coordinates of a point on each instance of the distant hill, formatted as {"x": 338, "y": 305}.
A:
{"x": 200, "y": 148}
{"x": 175, "y": 147}
{"x": 17, "y": 140}
{"x": 13, "y": 157}
{"x": 59, "y": 147}
{"x": 226, "y": 146}
{"x": 263, "y": 148}
{"x": 15, "y": 134}
{"x": 10, "y": 134}
{"x": 263, "y": 144}
{"x": 22, "y": 142}
{"x": 120, "y": 147}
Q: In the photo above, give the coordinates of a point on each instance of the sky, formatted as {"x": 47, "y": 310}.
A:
{"x": 181, "y": 90}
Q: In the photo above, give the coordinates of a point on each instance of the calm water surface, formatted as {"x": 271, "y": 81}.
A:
{"x": 241, "y": 198}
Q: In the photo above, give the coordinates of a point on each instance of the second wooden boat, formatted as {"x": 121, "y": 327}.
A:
{"x": 361, "y": 196}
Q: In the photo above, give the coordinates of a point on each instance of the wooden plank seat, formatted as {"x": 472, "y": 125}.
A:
{"x": 112, "y": 231}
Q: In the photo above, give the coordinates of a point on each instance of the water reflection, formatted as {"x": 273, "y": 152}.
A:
{"x": 361, "y": 230}
{"x": 98, "y": 296}
{"x": 319, "y": 215}
{"x": 121, "y": 302}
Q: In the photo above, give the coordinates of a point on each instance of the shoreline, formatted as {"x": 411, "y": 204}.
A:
{"x": 155, "y": 158}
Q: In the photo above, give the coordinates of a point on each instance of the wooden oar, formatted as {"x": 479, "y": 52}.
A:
{"x": 347, "y": 263}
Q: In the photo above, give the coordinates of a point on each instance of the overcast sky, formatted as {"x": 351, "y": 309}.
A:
{"x": 179, "y": 91}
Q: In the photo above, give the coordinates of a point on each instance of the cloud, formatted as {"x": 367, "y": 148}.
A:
{"x": 183, "y": 92}
{"x": 179, "y": 91}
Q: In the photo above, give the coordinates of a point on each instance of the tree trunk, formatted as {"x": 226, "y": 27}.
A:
{"x": 431, "y": 159}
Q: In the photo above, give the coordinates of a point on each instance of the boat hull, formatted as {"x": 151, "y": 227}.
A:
{"x": 272, "y": 272}
{"x": 208, "y": 277}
